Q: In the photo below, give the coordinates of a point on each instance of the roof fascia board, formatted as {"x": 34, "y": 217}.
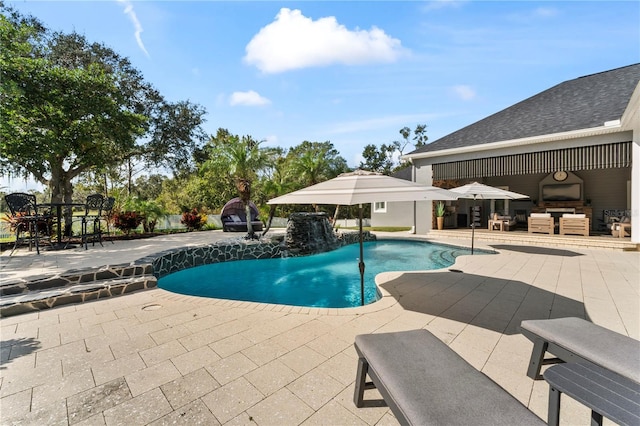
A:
{"x": 631, "y": 117}
{"x": 535, "y": 140}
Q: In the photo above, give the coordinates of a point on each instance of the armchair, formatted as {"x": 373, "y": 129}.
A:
{"x": 577, "y": 224}
{"x": 542, "y": 223}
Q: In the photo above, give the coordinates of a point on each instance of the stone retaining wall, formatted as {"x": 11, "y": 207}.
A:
{"x": 173, "y": 260}
{"x": 178, "y": 259}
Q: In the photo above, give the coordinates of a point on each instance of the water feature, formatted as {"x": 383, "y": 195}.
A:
{"x": 309, "y": 233}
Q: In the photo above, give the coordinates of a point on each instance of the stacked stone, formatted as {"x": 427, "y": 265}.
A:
{"x": 310, "y": 233}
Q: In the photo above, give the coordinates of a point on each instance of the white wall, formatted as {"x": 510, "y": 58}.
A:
{"x": 424, "y": 209}
{"x": 397, "y": 214}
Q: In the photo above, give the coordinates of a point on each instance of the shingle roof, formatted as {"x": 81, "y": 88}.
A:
{"x": 581, "y": 103}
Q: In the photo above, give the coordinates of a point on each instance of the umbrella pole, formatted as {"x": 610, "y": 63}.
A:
{"x": 473, "y": 223}
{"x": 361, "y": 262}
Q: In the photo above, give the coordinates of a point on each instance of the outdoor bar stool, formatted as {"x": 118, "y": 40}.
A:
{"x": 91, "y": 220}
{"x": 26, "y": 219}
{"x": 107, "y": 210}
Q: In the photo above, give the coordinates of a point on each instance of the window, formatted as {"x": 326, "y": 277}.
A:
{"x": 380, "y": 207}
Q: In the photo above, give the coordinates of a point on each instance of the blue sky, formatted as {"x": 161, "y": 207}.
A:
{"x": 353, "y": 72}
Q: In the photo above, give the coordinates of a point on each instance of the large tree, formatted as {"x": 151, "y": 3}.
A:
{"x": 385, "y": 159}
{"x": 68, "y": 106}
{"x": 315, "y": 162}
{"x": 378, "y": 159}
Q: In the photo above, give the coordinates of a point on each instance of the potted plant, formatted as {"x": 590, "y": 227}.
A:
{"x": 440, "y": 210}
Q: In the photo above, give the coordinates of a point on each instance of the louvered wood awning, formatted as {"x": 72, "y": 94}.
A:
{"x": 580, "y": 158}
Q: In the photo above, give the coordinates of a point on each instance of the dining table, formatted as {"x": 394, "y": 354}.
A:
{"x": 59, "y": 245}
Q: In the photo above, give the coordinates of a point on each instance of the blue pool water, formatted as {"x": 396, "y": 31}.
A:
{"x": 327, "y": 280}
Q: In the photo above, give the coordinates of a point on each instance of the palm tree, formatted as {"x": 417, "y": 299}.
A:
{"x": 245, "y": 159}
{"x": 279, "y": 183}
{"x": 315, "y": 162}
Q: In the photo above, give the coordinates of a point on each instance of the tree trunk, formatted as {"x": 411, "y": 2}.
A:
{"x": 68, "y": 214}
{"x": 244, "y": 188}
{"x": 129, "y": 177}
{"x": 272, "y": 211}
{"x": 247, "y": 212}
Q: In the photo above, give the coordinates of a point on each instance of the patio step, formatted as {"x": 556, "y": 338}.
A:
{"x": 21, "y": 296}
{"x": 543, "y": 240}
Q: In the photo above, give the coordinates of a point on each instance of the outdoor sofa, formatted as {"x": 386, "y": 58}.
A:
{"x": 622, "y": 227}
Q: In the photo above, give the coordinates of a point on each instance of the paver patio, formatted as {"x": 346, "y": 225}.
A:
{"x": 154, "y": 357}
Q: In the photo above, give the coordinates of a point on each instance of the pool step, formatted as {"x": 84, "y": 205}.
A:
{"x": 20, "y": 296}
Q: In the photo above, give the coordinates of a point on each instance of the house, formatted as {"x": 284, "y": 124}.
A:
{"x": 572, "y": 148}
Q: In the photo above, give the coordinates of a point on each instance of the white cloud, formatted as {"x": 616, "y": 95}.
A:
{"x": 271, "y": 140}
{"x": 128, "y": 9}
{"x": 540, "y": 13}
{"x": 545, "y": 12}
{"x": 294, "y": 41}
{"x": 442, "y": 4}
{"x": 249, "y": 98}
{"x": 379, "y": 123}
{"x": 464, "y": 92}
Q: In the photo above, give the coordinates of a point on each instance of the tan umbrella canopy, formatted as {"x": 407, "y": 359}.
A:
{"x": 479, "y": 191}
{"x": 363, "y": 187}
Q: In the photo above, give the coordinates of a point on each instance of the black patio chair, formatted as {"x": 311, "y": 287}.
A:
{"x": 107, "y": 211}
{"x": 29, "y": 224}
{"x": 91, "y": 220}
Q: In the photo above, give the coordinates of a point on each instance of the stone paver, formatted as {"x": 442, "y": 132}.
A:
{"x": 192, "y": 360}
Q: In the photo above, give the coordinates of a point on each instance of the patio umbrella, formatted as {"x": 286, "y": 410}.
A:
{"x": 363, "y": 187}
{"x": 479, "y": 191}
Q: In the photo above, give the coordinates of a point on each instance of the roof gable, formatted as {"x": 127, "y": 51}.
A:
{"x": 582, "y": 103}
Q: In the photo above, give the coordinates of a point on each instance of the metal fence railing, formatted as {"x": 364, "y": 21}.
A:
{"x": 165, "y": 223}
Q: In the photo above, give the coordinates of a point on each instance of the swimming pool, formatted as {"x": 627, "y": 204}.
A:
{"x": 327, "y": 280}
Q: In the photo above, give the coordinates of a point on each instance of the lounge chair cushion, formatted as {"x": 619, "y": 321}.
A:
{"x": 574, "y": 215}
{"x": 540, "y": 214}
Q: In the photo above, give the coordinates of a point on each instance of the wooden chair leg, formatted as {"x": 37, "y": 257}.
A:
{"x": 361, "y": 376}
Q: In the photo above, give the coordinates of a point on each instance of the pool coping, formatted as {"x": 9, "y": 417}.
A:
{"x": 83, "y": 285}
